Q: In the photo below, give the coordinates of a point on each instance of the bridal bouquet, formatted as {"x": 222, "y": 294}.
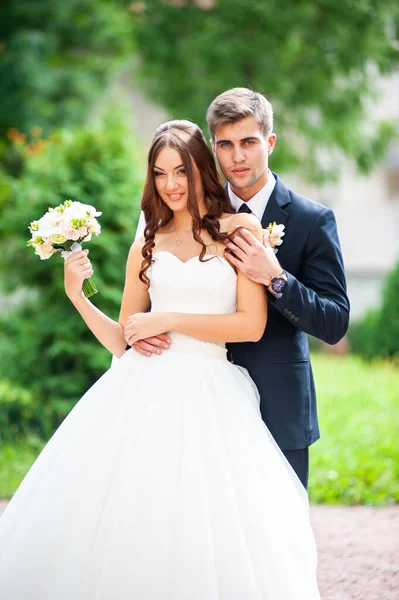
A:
{"x": 63, "y": 229}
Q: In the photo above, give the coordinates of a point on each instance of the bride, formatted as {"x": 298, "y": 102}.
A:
{"x": 163, "y": 483}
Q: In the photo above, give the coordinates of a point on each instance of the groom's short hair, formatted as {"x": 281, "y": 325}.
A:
{"x": 236, "y": 104}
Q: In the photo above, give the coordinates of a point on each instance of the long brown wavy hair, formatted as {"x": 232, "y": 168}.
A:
{"x": 189, "y": 141}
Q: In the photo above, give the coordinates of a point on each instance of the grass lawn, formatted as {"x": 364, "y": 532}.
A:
{"x": 357, "y": 458}
{"x": 355, "y": 461}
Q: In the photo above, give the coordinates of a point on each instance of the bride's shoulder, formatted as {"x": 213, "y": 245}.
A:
{"x": 135, "y": 256}
{"x": 136, "y": 248}
{"x": 230, "y": 222}
{"x": 137, "y": 245}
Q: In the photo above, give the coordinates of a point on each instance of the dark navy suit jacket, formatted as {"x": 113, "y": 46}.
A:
{"x": 314, "y": 302}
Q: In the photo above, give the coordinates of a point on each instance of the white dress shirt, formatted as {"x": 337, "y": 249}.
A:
{"x": 257, "y": 204}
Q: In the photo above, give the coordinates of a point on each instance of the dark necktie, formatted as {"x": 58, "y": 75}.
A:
{"x": 244, "y": 209}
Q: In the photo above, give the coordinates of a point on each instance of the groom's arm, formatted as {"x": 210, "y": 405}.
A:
{"x": 318, "y": 304}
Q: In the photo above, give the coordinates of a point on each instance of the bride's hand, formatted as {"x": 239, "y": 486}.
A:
{"x": 77, "y": 268}
{"x": 144, "y": 325}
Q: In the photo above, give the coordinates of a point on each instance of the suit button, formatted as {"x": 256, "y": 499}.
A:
{"x": 285, "y": 310}
{"x": 292, "y": 316}
{"x": 289, "y": 313}
{"x": 296, "y": 319}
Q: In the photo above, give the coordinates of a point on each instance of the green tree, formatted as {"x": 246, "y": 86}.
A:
{"x": 377, "y": 334}
{"x": 45, "y": 347}
{"x": 56, "y": 57}
{"x": 316, "y": 60}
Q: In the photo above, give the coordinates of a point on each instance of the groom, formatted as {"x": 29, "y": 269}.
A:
{"x": 304, "y": 281}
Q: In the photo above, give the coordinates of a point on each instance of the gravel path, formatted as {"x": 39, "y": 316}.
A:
{"x": 358, "y": 551}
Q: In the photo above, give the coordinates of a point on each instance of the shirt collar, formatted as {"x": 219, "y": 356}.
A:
{"x": 258, "y": 203}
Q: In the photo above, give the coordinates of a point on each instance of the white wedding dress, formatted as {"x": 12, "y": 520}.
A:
{"x": 163, "y": 483}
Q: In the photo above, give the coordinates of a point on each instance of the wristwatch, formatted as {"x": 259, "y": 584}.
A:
{"x": 278, "y": 284}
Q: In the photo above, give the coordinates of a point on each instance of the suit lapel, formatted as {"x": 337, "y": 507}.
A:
{"x": 279, "y": 199}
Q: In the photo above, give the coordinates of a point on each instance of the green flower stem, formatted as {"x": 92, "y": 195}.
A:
{"x": 89, "y": 288}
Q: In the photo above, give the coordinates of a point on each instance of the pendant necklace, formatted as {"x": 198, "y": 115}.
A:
{"x": 178, "y": 241}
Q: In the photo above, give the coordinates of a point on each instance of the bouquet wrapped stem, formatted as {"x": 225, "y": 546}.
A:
{"x": 89, "y": 288}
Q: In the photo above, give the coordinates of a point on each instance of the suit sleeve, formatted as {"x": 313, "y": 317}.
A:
{"x": 318, "y": 304}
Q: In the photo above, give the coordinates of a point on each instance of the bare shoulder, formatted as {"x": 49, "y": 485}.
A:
{"x": 231, "y": 222}
{"x": 137, "y": 245}
{"x": 135, "y": 255}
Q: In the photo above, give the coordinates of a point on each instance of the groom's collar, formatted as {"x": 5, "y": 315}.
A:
{"x": 257, "y": 204}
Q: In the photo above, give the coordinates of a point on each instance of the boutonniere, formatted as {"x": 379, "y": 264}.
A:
{"x": 276, "y": 235}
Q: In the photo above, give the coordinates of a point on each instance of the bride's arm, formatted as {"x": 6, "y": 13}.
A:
{"x": 247, "y": 324}
{"x": 135, "y": 298}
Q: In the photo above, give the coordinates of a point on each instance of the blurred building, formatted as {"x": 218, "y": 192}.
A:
{"x": 367, "y": 211}
{"x": 366, "y": 207}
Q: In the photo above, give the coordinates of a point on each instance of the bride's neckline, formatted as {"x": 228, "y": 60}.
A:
{"x": 195, "y": 257}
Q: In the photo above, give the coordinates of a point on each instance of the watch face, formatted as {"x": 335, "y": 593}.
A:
{"x": 278, "y": 285}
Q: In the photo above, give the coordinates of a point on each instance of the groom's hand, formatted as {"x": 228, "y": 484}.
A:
{"x": 256, "y": 260}
{"x": 153, "y": 345}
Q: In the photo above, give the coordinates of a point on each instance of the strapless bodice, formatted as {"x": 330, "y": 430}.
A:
{"x": 193, "y": 287}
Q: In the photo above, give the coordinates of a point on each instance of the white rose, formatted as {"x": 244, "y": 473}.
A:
{"x": 275, "y": 241}
{"x": 47, "y": 226}
{"x": 82, "y": 231}
{"x": 94, "y": 227}
{"x": 75, "y": 211}
{"x": 277, "y": 231}
{"x": 46, "y": 219}
{"x": 92, "y": 211}
{"x": 276, "y": 235}
{"x": 72, "y": 234}
{"x": 44, "y": 250}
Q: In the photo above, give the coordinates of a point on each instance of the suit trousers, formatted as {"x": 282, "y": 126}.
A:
{"x": 299, "y": 461}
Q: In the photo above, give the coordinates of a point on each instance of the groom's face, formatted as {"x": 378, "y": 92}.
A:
{"x": 242, "y": 151}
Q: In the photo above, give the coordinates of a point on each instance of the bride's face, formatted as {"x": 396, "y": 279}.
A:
{"x": 171, "y": 180}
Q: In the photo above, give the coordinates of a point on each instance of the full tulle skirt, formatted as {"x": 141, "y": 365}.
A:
{"x": 163, "y": 483}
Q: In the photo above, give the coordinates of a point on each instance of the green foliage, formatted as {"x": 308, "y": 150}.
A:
{"x": 45, "y": 347}
{"x": 377, "y": 334}
{"x": 317, "y": 61}
{"x": 17, "y": 413}
{"x": 56, "y": 57}
{"x": 356, "y": 461}
{"x": 362, "y": 335}
{"x": 15, "y": 461}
